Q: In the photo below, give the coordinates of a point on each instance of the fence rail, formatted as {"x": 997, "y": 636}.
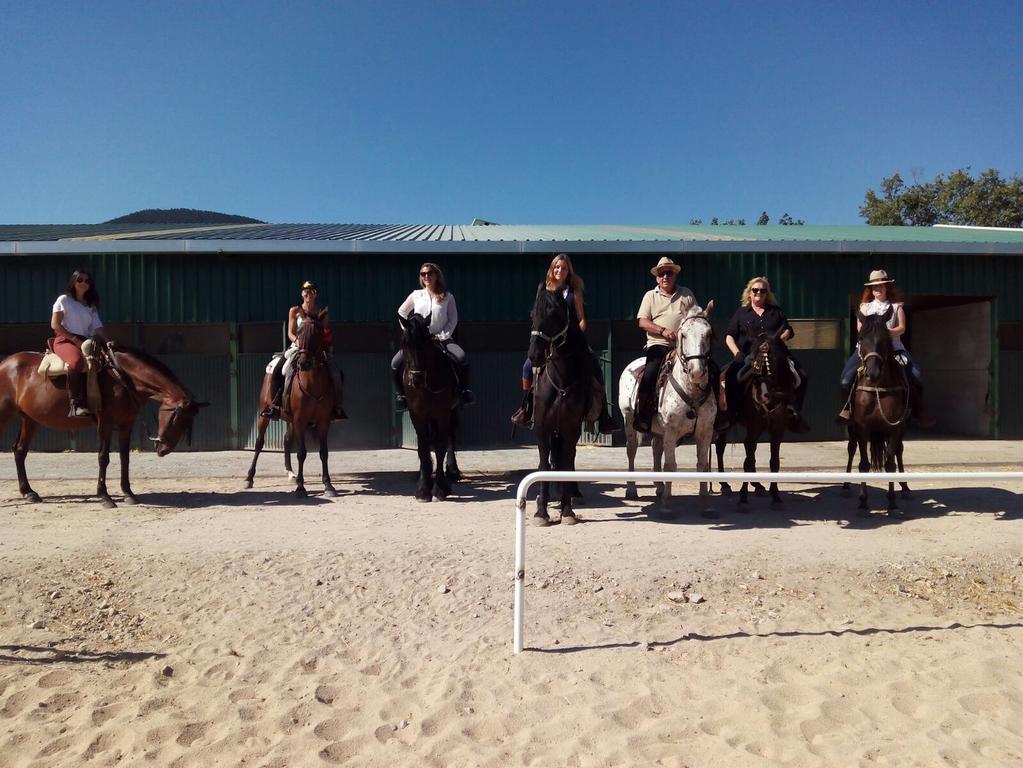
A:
{"x": 664, "y": 477}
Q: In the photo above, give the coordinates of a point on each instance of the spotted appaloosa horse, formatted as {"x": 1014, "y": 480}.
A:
{"x": 686, "y": 406}
{"x": 127, "y": 379}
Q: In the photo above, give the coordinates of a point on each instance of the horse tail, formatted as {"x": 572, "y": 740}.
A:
{"x": 878, "y": 452}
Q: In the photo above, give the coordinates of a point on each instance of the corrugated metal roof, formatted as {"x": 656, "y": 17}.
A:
{"x": 500, "y": 238}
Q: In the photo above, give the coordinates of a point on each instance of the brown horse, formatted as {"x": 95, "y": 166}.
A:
{"x": 880, "y": 407}
{"x": 767, "y": 394}
{"x": 308, "y": 404}
{"x": 127, "y": 379}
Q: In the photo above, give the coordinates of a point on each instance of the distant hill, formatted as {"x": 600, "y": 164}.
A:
{"x": 181, "y": 216}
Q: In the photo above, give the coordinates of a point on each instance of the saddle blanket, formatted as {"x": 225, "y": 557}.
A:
{"x": 273, "y": 362}
{"x": 53, "y": 367}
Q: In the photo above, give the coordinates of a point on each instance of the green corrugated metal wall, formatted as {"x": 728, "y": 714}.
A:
{"x": 190, "y": 288}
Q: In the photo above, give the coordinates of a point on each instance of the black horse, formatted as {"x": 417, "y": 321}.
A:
{"x": 561, "y": 394}
{"x": 880, "y": 407}
{"x": 432, "y": 393}
{"x": 768, "y": 392}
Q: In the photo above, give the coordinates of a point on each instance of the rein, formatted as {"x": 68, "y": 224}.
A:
{"x": 703, "y": 393}
{"x": 878, "y": 391}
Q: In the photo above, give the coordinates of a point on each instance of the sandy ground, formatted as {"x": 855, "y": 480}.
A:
{"x": 215, "y": 626}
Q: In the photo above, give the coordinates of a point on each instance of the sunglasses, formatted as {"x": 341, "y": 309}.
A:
{"x": 427, "y": 273}
{"x": 668, "y": 273}
{"x": 758, "y": 290}
{"x": 83, "y": 280}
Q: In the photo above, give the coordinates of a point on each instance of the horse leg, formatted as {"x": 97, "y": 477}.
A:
{"x": 889, "y": 466}
{"x": 263, "y": 423}
{"x": 670, "y": 465}
{"x": 719, "y": 448}
{"x": 289, "y": 441}
{"x": 863, "y": 510}
{"x": 324, "y": 431}
{"x": 300, "y": 490}
{"x": 441, "y": 486}
{"x": 28, "y": 429}
{"x": 566, "y": 462}
{"x": 631, "y": 446}
{"x": 749, "y": 465}
{"x": 702, "y": 437}
{"x": 906, "y": 493}
{"x": 454, "y": 474}
{"x": 657, "y": 447}
{"x": 424, "y": 487}
{"x": 124, "y": 452}
{"x": 776, "y": 502}
{"x": 540, "y": 517}
{"x": 105, "y": 433}
{"x": 851, "y": 450}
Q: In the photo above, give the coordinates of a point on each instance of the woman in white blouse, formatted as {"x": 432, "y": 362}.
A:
{"x": 76, "y": 318}
{"x": 435, "y": 301}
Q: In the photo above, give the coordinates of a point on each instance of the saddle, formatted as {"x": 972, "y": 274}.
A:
{"x": 52, "y": 367}
{"x": 662, "y": 375}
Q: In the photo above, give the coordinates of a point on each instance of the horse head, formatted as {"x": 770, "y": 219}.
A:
{"x": 875, "y": 347}
{"x": 416, "y": 340}
{"x": 773, "y": 380}
{"x": 173, "y": 423}
{"x": 551, "y": 320}
{"x": 693, "y": 343}
{"x": 310, "y": 339}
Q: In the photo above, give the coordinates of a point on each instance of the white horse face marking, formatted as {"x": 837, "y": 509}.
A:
{"x": 694, "y": 343}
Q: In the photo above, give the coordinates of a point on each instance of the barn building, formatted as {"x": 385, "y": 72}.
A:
{"x": 211, "y": 300}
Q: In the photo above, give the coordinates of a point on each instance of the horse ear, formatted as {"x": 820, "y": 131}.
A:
{"x": 709, "y": 308}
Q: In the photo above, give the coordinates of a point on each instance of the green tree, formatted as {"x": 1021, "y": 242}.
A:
{"x": 764, "y": 219}
{"x": 985, "y": 201}
{"x": 788, "y": 221}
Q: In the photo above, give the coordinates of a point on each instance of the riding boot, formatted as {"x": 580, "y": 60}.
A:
{"x": 918, "y": 414}
{"x": 339, "y": 411}
{"x": 273, "y": 408}
{"x": 286, "y": 394}
{"x": 76, "y": 394}
{"x": 466, "y": 397}
{"x": 606, "y": 423}
{"x": 523, "y": 417}
{"x": 796, "y": 423}
{"x": 399, "y": 388}
{"x": 644, "y": 413}
{"x": 845, "y": 415}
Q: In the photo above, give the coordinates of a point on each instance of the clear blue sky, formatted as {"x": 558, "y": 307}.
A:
{"x": 517, "y": 112}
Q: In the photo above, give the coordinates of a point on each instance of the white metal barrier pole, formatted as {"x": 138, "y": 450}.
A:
{"x": 670, "y": 477}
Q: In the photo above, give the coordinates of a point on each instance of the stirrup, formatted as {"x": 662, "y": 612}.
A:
{"x": 844, "y": 416}
{"x": 400, "y": 403}
{"x": 522, "y": 419}
{"x": 78, "y": 411}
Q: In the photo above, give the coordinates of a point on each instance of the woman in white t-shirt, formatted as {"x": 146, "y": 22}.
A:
{"x": 435, "y": 301}
{"x": 880, "y": 295}
{"x": 76, "y": 318}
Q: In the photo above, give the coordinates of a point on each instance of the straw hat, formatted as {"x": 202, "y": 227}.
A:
{"x": 878, "y": 277}
{"x": 665, "y": 262}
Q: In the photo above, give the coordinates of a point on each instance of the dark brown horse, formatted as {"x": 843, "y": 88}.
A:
{"x": 767, "y": 394}
{"x": 308, "y": 405}
{"x": 561, "y": 395}
{"x": 880, "y": 407}
{"x": 128, "y": 378}
{"x": 432, "y": 393}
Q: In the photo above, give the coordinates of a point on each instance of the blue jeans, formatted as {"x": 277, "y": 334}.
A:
{"x": 849, "y": 372}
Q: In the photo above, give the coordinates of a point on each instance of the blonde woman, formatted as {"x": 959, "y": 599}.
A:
{"x": 435, "y": 302}
{"x": 758, "y": 313}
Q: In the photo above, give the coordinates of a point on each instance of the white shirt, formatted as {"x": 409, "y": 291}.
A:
{"x": 443, "y": 316}
{"x": 876, "y": 307}
{"x": 78, "y": 318}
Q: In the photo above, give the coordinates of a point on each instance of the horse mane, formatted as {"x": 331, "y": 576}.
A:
{"x": 144, "y": 357}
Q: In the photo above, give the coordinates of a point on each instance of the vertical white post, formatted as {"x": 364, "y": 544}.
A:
{"x": 520, "y": 568}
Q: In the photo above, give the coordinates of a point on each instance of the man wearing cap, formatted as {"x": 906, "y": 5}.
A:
{"x": 660, "y": 315}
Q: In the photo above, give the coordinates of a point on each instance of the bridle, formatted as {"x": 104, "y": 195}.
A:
{"x": 861, "y": 372}
{"x": 703, "y": 392}
{"x": 558, "y": 339}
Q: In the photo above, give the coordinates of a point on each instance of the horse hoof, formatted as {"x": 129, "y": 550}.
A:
{"x": 454, "y": 477}
{"x": 247, "y": 484}
{"x": 32, "y": 496}
{"x": 759, "y": 492}
{"x": 541, "y": 521}
{"x": 130, "y": 500}
{"x": 778, "y": 506}
{"x": 631, "y": 495}
{"x": 108, "y": 504}
{"x": 424, "y": 499}
{"x": 896, "y": 512}
{"x": 569, "y": 519}
{"x": 440, "y": 496}
{"x": 726, "y": 489}
{"x": 658, "y": 489}
{"x": 329, "y": 493}
{"x": 301, "y": 493}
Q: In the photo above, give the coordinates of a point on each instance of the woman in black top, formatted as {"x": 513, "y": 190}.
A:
{"x": 758, "y": 314}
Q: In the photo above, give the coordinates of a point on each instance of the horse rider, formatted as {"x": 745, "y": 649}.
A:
{"x": 660, "y": 314}
{"x": 76, "y": 318}
{"x": 758, "y": 313}
{"x": 284, "y": 371}
{"x": 562, "y": 278}
{"x": 434, "y": 301}
{"x": 879, "y": 295}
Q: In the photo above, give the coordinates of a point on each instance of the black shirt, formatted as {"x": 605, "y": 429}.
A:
{"x": 746, "y": 325}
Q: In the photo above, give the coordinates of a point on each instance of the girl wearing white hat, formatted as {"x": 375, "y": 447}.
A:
{"x": 880, "y": 294}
